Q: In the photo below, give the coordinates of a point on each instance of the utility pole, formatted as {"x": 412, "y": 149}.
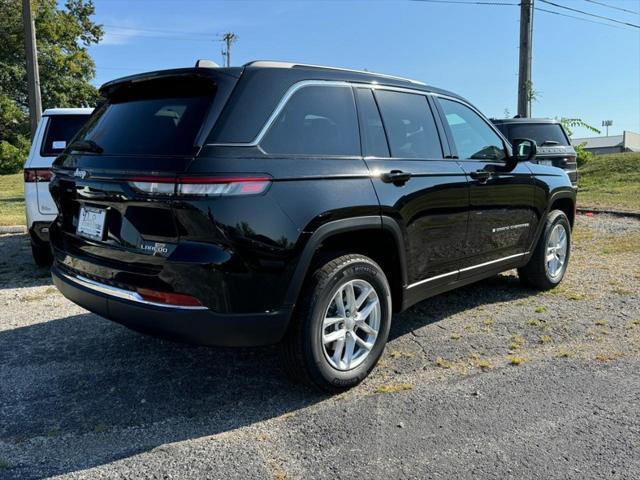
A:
{"x": 228, "y": 38}
{"x": 33, "y": 76}
{"x": 524, "y": 71}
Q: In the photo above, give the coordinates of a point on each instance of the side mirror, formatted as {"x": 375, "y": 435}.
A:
{"x": 524, "y": 149}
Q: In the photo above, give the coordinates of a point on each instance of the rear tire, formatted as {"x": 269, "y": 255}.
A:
{"x": 309, "y": 353}
{"x": 549, "y": 261}
{"x": 41, "y": 254}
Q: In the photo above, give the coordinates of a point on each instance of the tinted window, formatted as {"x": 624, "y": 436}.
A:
{"x": 60, "y": 130}
{"x": 158, "y": 117}
{"x": 374, "y": 140}
{"x": 547, "y": 134}
{"x": 472, "y": 135}
{"x": 316, "y": 120}
{"x": 410, "y": 126}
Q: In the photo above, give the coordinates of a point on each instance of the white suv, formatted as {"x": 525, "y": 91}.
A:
{"x": 56, "y": 128}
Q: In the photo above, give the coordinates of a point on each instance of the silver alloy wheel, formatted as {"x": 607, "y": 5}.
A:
{"x": 556, "y": 251}
{"x": 351, "y": 324}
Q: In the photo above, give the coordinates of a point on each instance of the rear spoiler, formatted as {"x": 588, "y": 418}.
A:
{"x": 211, "y": 73}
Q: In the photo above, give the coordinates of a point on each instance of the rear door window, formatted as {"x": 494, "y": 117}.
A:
{"x": 317, "y": 120}
{"x": 409, "y": 123}
{"x": 152, "y": 118}
{"x": 60, "y": 130}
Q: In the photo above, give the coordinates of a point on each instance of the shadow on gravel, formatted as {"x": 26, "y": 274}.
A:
{"x": 17, "y": 269}
{"x": 95, "y": 392}
{"x": 501, "y": 288}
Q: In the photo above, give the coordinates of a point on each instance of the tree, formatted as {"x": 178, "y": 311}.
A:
{"x": 63, "y": 36}
{"x": 532, "y": 96}
{"x": 582, "y": 155}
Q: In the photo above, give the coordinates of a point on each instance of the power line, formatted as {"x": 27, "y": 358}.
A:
{"x": 611, "y": 6}
{"x": 155, "y": 30}
{"x": 468, "y": 2}
{"x": 590, "y": 14}
{"x": 544, "y": 10}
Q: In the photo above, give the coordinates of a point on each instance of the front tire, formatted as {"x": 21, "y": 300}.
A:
{"x": 340, "y": 325}
{"x": 549, "y": 261}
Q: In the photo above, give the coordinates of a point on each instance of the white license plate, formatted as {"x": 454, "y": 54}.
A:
{"x": 548, "y": 163}
{"x": 91, "y": 222}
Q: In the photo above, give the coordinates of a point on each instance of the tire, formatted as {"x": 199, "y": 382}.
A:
{"x": 538, "y": 273}
{"x": 41, "y": 254}
{"x": 307, "y": 356}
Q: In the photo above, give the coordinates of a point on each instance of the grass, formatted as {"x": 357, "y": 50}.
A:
{"x": 4, "y": 465}
{"x": 515, "y": 360}
{"x": 12, "y": 200}
{"x": 394, "y": 388}
{"x": 443, "y": 363}
{"x": 611, "y": 181}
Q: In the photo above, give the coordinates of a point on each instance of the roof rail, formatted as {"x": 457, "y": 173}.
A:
{"x": 279, "y": 64}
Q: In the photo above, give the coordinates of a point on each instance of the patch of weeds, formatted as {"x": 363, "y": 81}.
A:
{"x": 606, "y": 357}
{"x": 622, "y": 291}
{"x": 636, "y": 322}
{"x": 443, "y": 363}
{"x": 489, "y": 322}
{"x": 520, "y": 303}
{"x": 517, "y": 341}
{"x": 534, "y": 322}
{"x": 400, "y": 354}
{"x": 574, "y": 296}
{"x": 601, "y": 323}
{"x": 629, "y": 243}
{"x": 544, "y": 339}
{"x": 515, "y": 360}
{"x": 394, "y": 388}
{"x": 563, "y": 353}
{"x": 455, "y": 336}
{"x": 484, "y": 364}
{"x": 541, "y": 309}
{"x": 54, "y": 431}
{"x": 4, "y": 465}
{"x": 468, "y": 327}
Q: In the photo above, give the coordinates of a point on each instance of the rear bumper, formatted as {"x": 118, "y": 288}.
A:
{"x": 188, "y": 324}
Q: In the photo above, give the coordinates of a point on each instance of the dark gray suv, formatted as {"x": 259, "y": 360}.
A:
{"x": 554, "y": 146}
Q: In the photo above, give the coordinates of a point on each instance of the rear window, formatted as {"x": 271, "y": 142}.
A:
{"x": 158, "y": 117}
{"x": 545, "y": 134}
{"x": 60, "y": 130}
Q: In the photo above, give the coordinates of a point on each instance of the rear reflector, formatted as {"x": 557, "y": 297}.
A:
{"x": 37, "y": 175}
{"x": 177, "y": 299}
{"x": 200, "y": 186}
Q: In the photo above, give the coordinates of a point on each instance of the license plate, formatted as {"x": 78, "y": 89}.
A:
{"x": 548, "y": 163}
{"x": 91, "y": 222}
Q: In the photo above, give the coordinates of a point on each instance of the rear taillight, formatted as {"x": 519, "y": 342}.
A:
{"x": 177, "y": 299}
{"x": 201, "y": 186}
{"x": 37, "y": 175}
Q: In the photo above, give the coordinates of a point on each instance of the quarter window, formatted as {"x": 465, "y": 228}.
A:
{"x": 410, "y": 126}
{"x": 473, "y": 137}
{"x": 317, "y": 120}
{"x": 374, "y": 140}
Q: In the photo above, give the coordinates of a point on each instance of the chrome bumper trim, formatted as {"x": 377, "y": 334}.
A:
{"x": 120, "y": 292}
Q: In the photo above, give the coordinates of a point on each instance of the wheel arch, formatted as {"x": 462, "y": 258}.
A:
{"x": 383, "y": 233}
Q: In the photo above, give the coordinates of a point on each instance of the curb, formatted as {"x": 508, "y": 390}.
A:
{"x": 13, "y": 229}
{"x": 618, "y": 213}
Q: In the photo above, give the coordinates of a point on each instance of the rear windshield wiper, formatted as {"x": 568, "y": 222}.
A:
{"x": 86, "y": 146}
{"x": 550, "y": 142}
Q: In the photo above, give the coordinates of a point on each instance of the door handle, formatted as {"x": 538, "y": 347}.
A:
{"x": 397, "y": 177}
{"x": 481, "y": 175}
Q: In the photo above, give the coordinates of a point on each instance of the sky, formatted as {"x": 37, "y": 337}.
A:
{"x": 581, "y": 69}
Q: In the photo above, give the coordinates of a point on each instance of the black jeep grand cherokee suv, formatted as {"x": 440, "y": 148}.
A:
{"x": 297, "y": 204}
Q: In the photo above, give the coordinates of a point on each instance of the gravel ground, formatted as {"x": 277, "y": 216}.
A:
{"x": 490, "y": 381}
